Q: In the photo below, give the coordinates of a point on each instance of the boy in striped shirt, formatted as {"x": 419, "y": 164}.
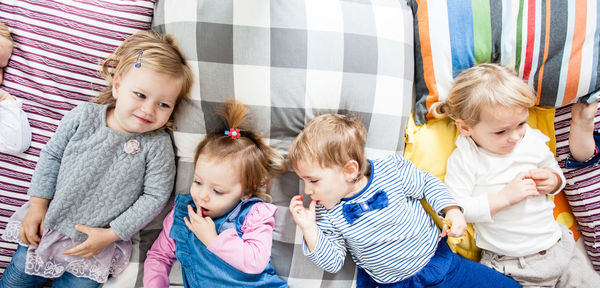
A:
{"x": 371, "y": 209}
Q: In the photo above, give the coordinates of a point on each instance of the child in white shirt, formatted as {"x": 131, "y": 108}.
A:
{"x": 15, "y": 133}
{"x": 502, "y": 174}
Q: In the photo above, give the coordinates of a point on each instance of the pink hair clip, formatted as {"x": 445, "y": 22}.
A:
{"x": 233, "y": 133}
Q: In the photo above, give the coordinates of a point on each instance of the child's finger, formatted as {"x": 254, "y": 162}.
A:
{"x": 83, "y": 229}
{"x": 193, "y": 215}
{"x": 294, "y": 201}
{"x": 77, "y": 250}
{"x": 23, "y": 237}
{"x": 539, "y": 174}
{"x": 523, "y": 175}
{"x": 444, "y": 232}
{"x": 32, "y": 236}
{"x": 188, "y": 223}
{"x": 209, "y": 220}
{"x": 313, "y": 206}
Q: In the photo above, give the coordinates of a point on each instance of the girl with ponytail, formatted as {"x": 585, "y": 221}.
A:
{"x": 221, "y": 231}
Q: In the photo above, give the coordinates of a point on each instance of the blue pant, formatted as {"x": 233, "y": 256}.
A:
{"x": 14, "y": 275}
{"x": 446, "y": 269}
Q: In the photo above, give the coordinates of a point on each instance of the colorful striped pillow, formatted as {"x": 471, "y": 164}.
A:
{"x": 553, "y": 44}
{"x": 58, "y": 46}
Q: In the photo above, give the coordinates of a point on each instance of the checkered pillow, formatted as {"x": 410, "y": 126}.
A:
{"x": 290, "y": 60}
{"x": 58, "y": 45}
{"x": 553, "y": 45}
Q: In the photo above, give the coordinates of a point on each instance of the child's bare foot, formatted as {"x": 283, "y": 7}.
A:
{"x": 581, "y": 140}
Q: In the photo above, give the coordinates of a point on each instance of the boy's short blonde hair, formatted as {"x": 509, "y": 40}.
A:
{"x": 484, "y": 85}
{"x": 331, "y": 140}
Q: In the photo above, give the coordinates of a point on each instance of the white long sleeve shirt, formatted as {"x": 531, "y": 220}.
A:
{"x": 473, "y": 173}
{"x": 15, "y": 133}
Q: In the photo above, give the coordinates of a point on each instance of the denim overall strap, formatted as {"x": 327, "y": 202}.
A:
{"x": 235, "y": 218}
{"x": 202, "y": 268}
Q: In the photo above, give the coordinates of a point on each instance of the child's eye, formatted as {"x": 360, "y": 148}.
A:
{"x": 500, "y": 132}
{"x": 522, "y": 123}
{"x": 163, "y": 105}
{"x": 218, "y": 192}
{"x": 197, "y": 182}
{"x": 140, "y": 95}
{"x": 313, "y": 181}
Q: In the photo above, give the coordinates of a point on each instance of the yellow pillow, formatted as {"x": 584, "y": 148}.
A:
{"x": 430, "y": 145}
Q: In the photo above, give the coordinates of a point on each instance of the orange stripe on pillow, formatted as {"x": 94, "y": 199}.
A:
{"x": 429, "y": 75}
{"x": 575, "y": 59}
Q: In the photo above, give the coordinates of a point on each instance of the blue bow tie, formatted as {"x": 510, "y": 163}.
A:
{"x": 353, "y": 211}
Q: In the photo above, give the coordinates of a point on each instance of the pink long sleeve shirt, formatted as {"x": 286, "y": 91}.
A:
{"x": 249, "y": 253}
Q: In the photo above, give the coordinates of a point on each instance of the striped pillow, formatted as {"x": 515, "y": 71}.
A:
{"x": 553, "y": 44}
{"x": 58, "y": 45}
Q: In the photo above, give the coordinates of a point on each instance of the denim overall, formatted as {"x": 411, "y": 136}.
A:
{"x": 202, "y": 268}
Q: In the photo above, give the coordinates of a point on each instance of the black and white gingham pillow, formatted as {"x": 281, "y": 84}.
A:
{"x": 290, "y": 60}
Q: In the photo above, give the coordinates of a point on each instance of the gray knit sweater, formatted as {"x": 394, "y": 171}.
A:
{"x": 91, "y": 180}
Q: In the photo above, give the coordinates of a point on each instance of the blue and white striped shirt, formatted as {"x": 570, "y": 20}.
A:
{"x": 392, "y": 243}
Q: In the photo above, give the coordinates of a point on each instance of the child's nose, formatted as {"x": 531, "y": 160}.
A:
{"x": 148, "y": 108}
{"x": 203, "y": 195}
{"x": 200, "y": 194}
{"x": 515, "y": 136}
{"x": 307, "y": 190}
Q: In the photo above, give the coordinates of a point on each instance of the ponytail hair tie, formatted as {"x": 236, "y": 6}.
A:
{"x": 233, "y": 133}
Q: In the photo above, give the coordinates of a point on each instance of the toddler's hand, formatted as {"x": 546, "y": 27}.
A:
{"x": 98, "y": 239}
{"x": 459, "y": 224}
{"x": 521, "y": 187}
{"x": 203, "y": 227}
{"x": 584, "y": 112}
{"x": 545, "y": 180}
{"x": 6, "y": 96}
{"x": 304, "y": 218}
{"x": 32, "y": 225}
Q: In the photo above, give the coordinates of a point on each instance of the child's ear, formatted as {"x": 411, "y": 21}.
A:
{"x": 351, "y": 170}
{"x": 115, "y": 86}
{"x": 463, "y": 128}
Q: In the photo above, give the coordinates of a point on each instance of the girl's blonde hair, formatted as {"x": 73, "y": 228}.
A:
{"x": 331, "y": 140}
{"x": 257, "y": 160}
{"x": 161, "y": 54}
{"x": 484, "y": 85}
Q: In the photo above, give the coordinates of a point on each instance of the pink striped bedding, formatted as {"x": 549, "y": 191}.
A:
{"x": 583, "y": 187}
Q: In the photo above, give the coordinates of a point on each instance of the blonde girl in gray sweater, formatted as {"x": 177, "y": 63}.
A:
{"x": 107, "y": 171}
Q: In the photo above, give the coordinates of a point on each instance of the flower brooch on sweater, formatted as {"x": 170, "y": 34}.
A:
{"x": 132, "y": 146}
